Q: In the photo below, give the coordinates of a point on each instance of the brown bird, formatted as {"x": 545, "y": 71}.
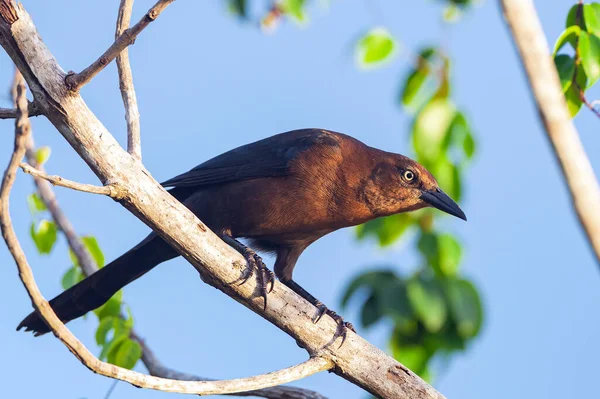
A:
{"x": 282, "y": 193}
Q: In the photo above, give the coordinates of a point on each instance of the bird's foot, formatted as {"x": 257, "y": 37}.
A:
{"x": 266, "y": 278}
{"x": 342, "y": 326}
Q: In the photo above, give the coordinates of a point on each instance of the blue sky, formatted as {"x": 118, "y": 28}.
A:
{"x": 206, "y": 83}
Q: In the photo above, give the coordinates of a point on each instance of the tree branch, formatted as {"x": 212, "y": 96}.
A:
{"x": 132, "y": 115}
{"x": 8, "y": 113}
{"x": 217, "y": 263}
{"x": 545, "y": 85}
{"x": 109, "y": 190}
{"x": 75, "y": 81}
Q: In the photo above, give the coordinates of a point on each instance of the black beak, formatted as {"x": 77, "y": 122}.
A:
{"x": 440, "y": 200}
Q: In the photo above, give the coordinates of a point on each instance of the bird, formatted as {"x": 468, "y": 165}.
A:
{"x": 280, "y": 194}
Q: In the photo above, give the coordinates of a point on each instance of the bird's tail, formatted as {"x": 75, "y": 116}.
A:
{"x": 98, "y": 288}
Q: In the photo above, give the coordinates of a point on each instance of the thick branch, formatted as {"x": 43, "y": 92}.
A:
{"x": 75, "y": 81}
{"x": 545, "y": 85}
{"x": 132, "y": 115}
{"x": 218, "y": 264}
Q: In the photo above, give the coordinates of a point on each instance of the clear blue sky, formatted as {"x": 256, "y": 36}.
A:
{"x": 206, "y": 84}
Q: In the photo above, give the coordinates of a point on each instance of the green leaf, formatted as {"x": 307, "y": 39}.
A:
{"x": 414, "y": 92}
{"x": 393, "y": 301}
{"x": 387, "y": 230}
{"x": 375, "y": 47}
{"x": 238, "y": 7}
{"x": 428, "y": 246}
{"x": 106, "y": 324}
{"x": 465, "y": 307}
{"x": 128, "y": 354}
{"x": 572, "y": 16}
{"x": 415, "y": 357}
{"x": 450, "y": 254}
{"x": 111, "y": 308}
{"x": 430, "y": 129}
{"x": 371, "y": 280}
{"x": 42, "y": 154}
{"x": 370, "y": 313}
{"x": 428, "y": 301}
{"x": 294, "y": 8}
{"x": 569, "y": 35}
{"x": 573, "y": 96}
{"x": 591, "y": 14}
{"x": 35, "y": 203}
{"x": 469, "y": 145}
{"x": 109, "y": 350}
{"x": 461, "y": 136}
{"x": 44, "y": 236}
{"x": 93, "y": 247}
{"x": 72, "y": 277}
{"x": 589, "y": 50}
{"x": 565, "y": 65}
{"x": 448, "y": 177}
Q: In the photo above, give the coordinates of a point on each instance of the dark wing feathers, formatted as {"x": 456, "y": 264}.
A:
{"x": 269, "y": 157}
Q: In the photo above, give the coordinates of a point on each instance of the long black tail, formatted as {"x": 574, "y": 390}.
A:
{"x": 98, "y": 288}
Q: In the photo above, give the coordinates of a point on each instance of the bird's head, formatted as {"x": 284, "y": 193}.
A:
{"x": 399, "y": 184}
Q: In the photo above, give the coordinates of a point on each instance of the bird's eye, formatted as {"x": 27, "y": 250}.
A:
{"x": 408, "y": 175}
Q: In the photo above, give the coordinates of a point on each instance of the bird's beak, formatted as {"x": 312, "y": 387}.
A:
{"x": 440, "y": 200}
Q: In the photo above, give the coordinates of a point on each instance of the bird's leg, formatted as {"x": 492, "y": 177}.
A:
{"x": 265, "y": 276}
{"x": 342, "y": 325}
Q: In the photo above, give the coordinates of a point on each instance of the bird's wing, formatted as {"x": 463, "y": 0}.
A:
{"x": 269, "y": 157}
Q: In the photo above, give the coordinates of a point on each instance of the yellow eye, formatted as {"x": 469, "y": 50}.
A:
{"x": 409, "y": 175}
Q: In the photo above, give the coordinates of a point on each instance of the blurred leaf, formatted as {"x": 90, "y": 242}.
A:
{"x": 112, "y": 307}
{"x": 44, "y": 236}
{"x": 573, "y": 95}
{"x": 415, "y": 357}
{"x": 93, "y": 247}
{"x": 128, "y": 354}
{"x": 387, "y": 230}
{"x": 129, "y": 320}
{"x": 448, "y": 177}
{"x": 465, "y": 307}
{"x": 238, "y": 7}
{"x": 569, "y": 35}
{"x": 565, "y": 65}
{"x": 428, "y": 302}
{"x": 109, "y": 350}
{"x": 394, "y": 302}
{"x": 35, "y": 203}
{"x": 371, "y": 280}
{"x": 106, "y": 324}
{"x": 428, "y": 246}
{"x": 589, "y": 50}
{"x": 430, "y": 129}
{"x": 572, "y": 16}
{"x": 375, "y": 47}
{"x": 42, "y": 154}
{"x": 294, "y": 8}
{"x": 591, "y": 14}
{"x": 452, "y": 13}
{"x": 450, "y": 254}
{"x": 413, "y": 92}
{"x": 72, "y": 277}
{"x": 370, "y": 313}
{"x": 461, "y": 135}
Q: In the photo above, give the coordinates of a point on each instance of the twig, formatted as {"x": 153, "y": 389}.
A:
{"x": 156, "y": 368}
{"x": 75, "y": 81}
{"x": 132, "y": 115}
{"x": 545, "y": 85}
{"x": 11, "y": 113}
{"x": 109, "y": 190}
